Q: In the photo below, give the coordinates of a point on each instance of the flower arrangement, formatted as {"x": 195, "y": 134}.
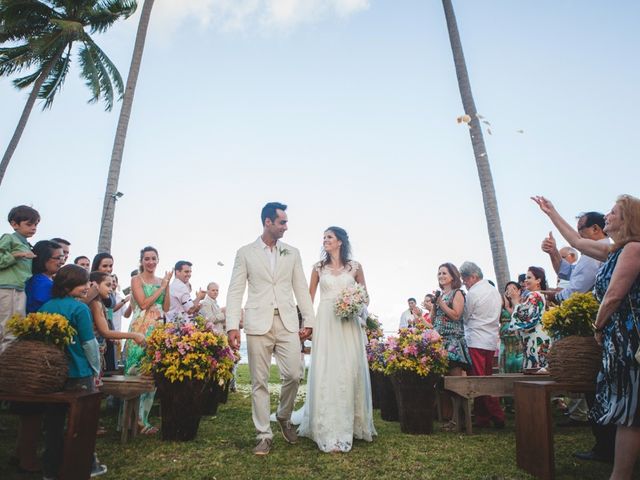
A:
{"x": 350, "y": 302}
{"x": 574, "y": 316}
{"x": 189, "y": 350}
{"x": 51, "y": 328}
{"x": 373, "y": 327}
{"x": 418, "y": 349}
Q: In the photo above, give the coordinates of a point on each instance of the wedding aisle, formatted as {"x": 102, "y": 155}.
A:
{"x": 222, "y": 450}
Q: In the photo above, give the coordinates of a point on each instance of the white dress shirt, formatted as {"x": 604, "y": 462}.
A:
{"x": 180, "y": 296}
{"x": 482, "y": 316}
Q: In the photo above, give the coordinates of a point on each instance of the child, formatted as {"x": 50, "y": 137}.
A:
{"x": 70, "y": 286}
{"x": 15, "y": 266}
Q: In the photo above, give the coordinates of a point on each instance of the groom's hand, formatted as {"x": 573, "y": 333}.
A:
{"x": 305, "y": 333}
{"x": 234, "y": 339}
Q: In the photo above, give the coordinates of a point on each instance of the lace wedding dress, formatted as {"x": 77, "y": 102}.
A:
{"x": 338, "y": 405}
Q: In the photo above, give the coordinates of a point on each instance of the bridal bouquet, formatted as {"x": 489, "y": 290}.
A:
{"x": 351, "y": 302}
{"x": 418, "y": 349}
{"x": 189, "y": 350}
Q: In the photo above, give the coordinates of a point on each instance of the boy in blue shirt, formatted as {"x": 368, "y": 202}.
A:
{"x": 15, "y": 266}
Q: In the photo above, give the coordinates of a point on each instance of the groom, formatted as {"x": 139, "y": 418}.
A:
{"x": 273, "y": 271}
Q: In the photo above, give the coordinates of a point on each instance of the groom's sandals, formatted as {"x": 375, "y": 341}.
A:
{"x": 288, "y": 432}
{"x": 263, "y": 447}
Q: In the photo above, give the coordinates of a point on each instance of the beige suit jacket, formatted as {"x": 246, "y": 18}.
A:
{"x": 268, "y": 291}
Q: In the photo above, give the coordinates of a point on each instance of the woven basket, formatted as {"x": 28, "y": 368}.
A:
{"x": 575, "y": 360}
{"x": 30, "y": 366}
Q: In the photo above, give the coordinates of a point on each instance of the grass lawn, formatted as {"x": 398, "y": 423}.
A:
{"x": 223, "y": 447}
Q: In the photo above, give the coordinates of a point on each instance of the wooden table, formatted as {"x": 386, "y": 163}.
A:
{"x": 534, "y": 434}
{"x": 466, "y": 389}
{"x": 128, "y": 388}
{"x": 82, "y": 423}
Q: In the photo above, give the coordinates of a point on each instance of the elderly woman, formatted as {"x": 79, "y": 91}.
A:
{"x": 616, "y": 326}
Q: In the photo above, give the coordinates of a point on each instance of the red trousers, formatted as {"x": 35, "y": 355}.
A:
{"x": 486, "y": 408}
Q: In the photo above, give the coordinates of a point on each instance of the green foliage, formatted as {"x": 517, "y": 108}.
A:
{"x": 41, "y": 35}
{"x": 574, "y": 316}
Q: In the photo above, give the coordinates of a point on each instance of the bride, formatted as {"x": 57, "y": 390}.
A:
{"x": 338, "y": 406}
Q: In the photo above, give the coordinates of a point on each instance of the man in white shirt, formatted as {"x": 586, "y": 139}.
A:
{"x": 481, "y": 328}
{"x": 411, "y": 315}
{"x": 181, "y": 302}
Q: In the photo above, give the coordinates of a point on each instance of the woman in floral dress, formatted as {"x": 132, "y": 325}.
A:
{"x": 527, "y": 321}
{"x": 511, "y": 351}
{"x": 617, "y": 325}
{"x": 150, "y": 301}
{"x": 447, "y": 320}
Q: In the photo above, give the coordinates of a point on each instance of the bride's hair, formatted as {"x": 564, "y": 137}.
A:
{"x": 345, "y": 248}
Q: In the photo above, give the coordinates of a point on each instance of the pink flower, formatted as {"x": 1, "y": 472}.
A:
{"x": 410, "y": 350}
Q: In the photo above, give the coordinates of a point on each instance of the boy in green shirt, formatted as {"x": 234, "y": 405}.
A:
{"x": 15, "y": 266}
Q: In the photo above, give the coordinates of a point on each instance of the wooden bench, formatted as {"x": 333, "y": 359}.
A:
{"x": 534, "y": 434}
{"x": 466, "y": 389}
{"x": 128, "y": 389}
{"x": 82, "y": 423}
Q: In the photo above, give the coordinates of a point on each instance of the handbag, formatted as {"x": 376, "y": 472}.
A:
{"x": 637, "y": 327}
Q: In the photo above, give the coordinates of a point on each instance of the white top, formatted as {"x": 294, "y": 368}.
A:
{"x": 405, "y": 318}
{"x": 116, "y": 319}
{"x": 271, "y": 253}
{"x": 180, "y": 296}
{"x": 482, "y": 316}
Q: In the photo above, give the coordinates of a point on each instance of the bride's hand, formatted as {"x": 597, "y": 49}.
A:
{"x": 305, "y": 333}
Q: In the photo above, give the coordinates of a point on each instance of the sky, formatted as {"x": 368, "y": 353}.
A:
{"x": 346, "y": 111}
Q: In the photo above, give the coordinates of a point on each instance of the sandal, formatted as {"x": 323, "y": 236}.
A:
{"x": 150, "y": 430}
{"x": 450, "y": 426}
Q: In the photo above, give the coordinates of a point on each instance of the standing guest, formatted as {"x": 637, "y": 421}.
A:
{"x": 210, "y": 309}
{"x": 65, "y": 244}
{"x": 447, "y": 320}
{"x": 570, "y": 255}
{"x": 150, "y": 302}
{"x": 617, "y": 324}
{"x": 427, "y": 303}
{"x": 582, "y": 275}
{"x": 49, "y": 258}
{"x": 120, "y": 302}
{"x": 511, "y": 355}
{"x": 481, "y": 327}
{"x": 527, "y": 321}
{"x": 83, "y": 261}
{"x": 523, "y": 289}
{"x": 70, "y": 286}
{"x": 410, "y": 315}
{"x": 15, "y": 266}
{"x": 103, "y": 262}
{"x": 181, "y": 304}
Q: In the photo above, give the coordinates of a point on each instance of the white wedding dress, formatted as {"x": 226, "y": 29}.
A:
{"x": 338, "y": 406}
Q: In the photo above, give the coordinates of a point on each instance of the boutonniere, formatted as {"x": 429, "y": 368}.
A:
{"x": 284, "y": 252}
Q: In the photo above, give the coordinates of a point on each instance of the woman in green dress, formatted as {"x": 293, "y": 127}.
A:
{"x": 511, "y": 357}
{"x": 150, "y": 302}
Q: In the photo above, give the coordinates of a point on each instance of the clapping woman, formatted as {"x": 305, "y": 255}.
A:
{"x": 526, "y": 320}
{"x": 150, "y": 301}
{"x": 617, "y": 326}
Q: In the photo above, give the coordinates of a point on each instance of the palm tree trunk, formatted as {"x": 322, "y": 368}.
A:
{"x": 26, "y": 112}
{"x": 109, "y": 203}
{"x": 496, "y": 239}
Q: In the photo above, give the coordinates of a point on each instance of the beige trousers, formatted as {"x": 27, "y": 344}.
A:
{"x": 11, "y": 302}
{"x": 285, "y": 345}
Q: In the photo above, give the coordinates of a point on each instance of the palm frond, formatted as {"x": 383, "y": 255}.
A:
{"x": 106, "y": 12}
{"x": 24, "y": 82}
{"x": 15, "y": 59}
{"x": 90, "y": 73}
{"x": 55, "y": 79}
{"x": 20, "y": 19}
{"x": 112, "y": 74}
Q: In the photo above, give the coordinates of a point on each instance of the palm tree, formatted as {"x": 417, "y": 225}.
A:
{"x": 496, "y": 239}
{"x": 45, "y": 32}
{"x": 110, "y": 196}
